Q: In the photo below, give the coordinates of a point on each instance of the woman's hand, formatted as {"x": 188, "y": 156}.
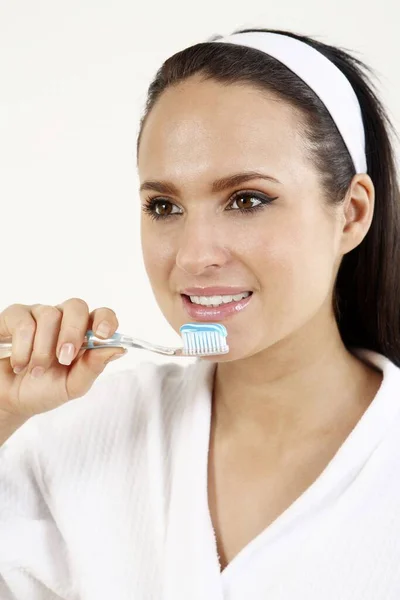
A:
{"x": 38, "y": 333}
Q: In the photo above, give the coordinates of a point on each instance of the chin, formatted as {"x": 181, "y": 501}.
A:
{"x": 217, "y": 358}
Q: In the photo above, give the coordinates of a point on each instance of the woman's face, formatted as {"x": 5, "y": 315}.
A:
{"x": 285, "y": 252}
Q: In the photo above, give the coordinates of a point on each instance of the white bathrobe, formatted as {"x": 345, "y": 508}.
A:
{"x": 105, "y": 498}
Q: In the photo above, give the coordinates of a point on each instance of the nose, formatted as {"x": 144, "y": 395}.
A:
{"x": 201, "y": 246}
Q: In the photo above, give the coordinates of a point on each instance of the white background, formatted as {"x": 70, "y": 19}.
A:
{"x": 73, "y": 81}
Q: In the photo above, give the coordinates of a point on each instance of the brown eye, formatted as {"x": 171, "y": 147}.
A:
{"x": 159, "y": 208}
{"x": 245, "y": 201}
{"x": 249, "y": 202}
{"x": 162, "y": 208}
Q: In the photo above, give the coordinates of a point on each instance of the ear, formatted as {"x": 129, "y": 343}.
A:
{"x": 357, "y": 212}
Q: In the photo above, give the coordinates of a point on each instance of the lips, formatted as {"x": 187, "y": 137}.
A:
{"x": 200, "y": 312}
{"x": 215, "y": 291}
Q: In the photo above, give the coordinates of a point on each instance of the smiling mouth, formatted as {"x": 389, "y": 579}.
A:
{"x": 216, "y": 310}
{"x": 217, "y": 300}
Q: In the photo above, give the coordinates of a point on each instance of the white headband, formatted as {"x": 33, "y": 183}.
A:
{"x": 323, "y": 77}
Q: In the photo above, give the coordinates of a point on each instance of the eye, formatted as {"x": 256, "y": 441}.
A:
{"x": 245, "y": 201}
{"x": 160, "y": 208}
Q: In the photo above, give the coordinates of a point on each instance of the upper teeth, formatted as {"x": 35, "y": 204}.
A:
{"x": 217, "y": 300}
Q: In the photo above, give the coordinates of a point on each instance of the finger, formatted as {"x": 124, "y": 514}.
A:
{"x": 48, "y": 320}
{"x": 104, "y": 322}
{"x": 101, "y": 316}
{"x": 18, "y": 323}
{"x": 74, "y": 325}
{"x": 10, "y": 317}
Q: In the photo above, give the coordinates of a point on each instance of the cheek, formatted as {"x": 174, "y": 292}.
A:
{"x": 294, "y": 261}
{"x": 158, "y": 256}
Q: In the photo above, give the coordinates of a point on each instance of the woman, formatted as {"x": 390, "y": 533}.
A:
{"x": 266, "y": 171}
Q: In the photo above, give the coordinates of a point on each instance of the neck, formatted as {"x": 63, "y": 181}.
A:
{"x": 295, "y": 388}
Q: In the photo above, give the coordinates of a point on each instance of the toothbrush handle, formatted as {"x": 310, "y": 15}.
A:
{"x": 125, "y": 341}
{"x": 118, "y": 340}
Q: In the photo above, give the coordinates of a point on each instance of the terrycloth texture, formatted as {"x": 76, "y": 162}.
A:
{"x": 105, "y": 498}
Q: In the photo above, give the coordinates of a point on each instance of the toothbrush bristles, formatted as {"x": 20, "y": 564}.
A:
{"x": 204, "y": 343}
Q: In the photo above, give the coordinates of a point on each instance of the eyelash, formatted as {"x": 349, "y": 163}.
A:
{"x": 151, "y": 203}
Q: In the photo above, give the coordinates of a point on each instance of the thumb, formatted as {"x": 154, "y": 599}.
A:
{"x": 85, "y": 370}
{"x": 105, "y": 356}
{"x": 109, "y": 357}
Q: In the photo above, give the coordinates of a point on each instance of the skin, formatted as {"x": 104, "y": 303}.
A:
{"x": 288, "y": 376}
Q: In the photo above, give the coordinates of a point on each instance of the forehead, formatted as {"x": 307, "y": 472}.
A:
{"x": 198, "y": 124}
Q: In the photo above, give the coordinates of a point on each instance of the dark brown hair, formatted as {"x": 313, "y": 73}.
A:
{"x": 367, "y": 289}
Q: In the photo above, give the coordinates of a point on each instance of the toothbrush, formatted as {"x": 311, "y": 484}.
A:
{"x": 198, "y": 340}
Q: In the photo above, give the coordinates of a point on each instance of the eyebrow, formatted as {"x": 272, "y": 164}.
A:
{"x": 219, "y": 185}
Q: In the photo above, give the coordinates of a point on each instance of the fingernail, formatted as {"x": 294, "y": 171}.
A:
{"x": 103, "y": 329}
{"x": 66, "y": 354}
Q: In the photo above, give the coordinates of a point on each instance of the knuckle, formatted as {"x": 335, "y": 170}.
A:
{"x": 35, "y": 306}
{"x": 26, "y": 325}
{"x": 15, "y": 314}
{"x": 14, "y": 307}
{"x": 80, "y": 302}
{"x": 49, "y": 312}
